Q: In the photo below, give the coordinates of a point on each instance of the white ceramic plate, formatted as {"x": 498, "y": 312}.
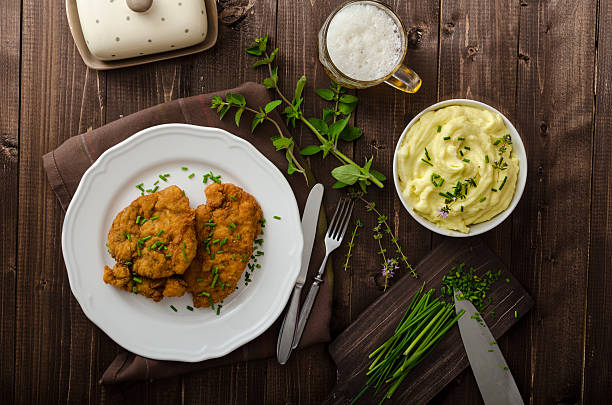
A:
{"x": 519, "y": 151}
{"x": 153, "y": 329}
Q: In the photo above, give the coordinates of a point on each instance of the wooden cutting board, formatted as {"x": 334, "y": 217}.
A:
{"x": 376, "y": 324}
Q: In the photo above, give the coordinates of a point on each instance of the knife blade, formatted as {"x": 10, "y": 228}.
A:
{"x": 495, "y": 381}
{"x": 310, "y": 218}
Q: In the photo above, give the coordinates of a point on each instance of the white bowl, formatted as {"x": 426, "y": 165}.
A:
{"x": 519, "y": 151}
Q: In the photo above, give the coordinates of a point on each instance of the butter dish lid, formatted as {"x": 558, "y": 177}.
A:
{"x": 119, "y": 33}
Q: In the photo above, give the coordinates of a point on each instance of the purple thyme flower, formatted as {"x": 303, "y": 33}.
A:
{"x": 442, "y": 212}
{"x": 389, "y": 268}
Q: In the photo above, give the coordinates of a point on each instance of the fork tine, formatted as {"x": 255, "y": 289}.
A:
{"x": 339, "y": 222}
{"x": 347, "y": 220}
{"x": 334, "y": 219}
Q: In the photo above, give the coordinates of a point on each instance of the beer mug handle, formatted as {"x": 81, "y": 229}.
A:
{"x": 405, "y": 79}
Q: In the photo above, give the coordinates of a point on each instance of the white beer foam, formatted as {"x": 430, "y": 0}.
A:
{"x": 364, "y": 42}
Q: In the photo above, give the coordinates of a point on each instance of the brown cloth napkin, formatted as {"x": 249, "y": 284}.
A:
{"x": 66, "y": 165}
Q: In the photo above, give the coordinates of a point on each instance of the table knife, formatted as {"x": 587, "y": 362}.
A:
{"x": 310, "y": 219}
{"x": 493, "y": 376}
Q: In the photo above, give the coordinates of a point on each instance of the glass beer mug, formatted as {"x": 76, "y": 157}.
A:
{"x": 363, "y": 43}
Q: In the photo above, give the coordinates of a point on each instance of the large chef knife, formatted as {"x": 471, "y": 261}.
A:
{"x": 309, "y": 229}
{"x": 493, "y": 376}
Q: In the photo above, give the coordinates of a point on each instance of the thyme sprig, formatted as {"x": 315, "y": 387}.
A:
{"x": 386, "y": 229}
{"x": 328, "y": 131}
{"x": 351, "y": 244}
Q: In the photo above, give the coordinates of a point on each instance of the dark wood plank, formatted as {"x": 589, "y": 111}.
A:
{"x": 10, "y": 30}
{"x": 554, "y": 113}
{"x": 377, "y": 323}
{"x": 478, "y": 59}
{"x": 598, "y": 323}
{"x": 383, "y": 113}
{"x": 55, "y": 343}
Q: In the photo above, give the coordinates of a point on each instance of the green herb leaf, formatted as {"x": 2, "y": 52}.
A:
{"x": 349, "y": 134}
{"x": 328, "y": 114}
{"x": 336, "y": 128}
{"x": 310, "y": 150}
{"x": 272, "y": 105}
{"x": 347, "y": 174}
{"x": 346, "y": 109}
{"x": 378, "y": 175}
{"x": 237, "y": 99}
{"x": 348, "y": 99}
{"x": 319, "y": 125}
{"x": 238, "y": 115}
{"x": 281, "y": 143}
{"x": 326, "y": 94}
{"x": 339, "y": 184}
{"x": 299, "y": 87}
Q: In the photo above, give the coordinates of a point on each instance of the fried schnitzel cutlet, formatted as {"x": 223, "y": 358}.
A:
{"x": 226, "y": 227}
{"x": 153, "y": 239}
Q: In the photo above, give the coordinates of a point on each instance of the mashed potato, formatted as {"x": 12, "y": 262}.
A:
{"x": 456, "y": 166}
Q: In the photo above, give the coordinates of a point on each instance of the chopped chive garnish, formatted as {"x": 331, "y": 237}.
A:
{"x": 467, "y": 147}
{"x": 185, "y": 168}
{"x": 218, "y": 309}
{"x": 189, "y": 308}
{"x": 494, "y": 190}
{"x": 493, "y": 342}
{"x": 503, "y": 183}
{"x": 204, "y": 293}
{"x": 212, "y": 304}
{"x": 466, "y": 160}
{"x": 486, "y": 158}
{"x": 426, "y": 162}
{"x": 199, "y": 280}
{"x": 160, "y": 232}
{"x": 215, "y": 241}
{"x": 183, "y": 191}
{"x": 482, "y": 199}
{"x": 214, "y": 281}
{"x": 134, "y": 289}
{"x": 427, "y": 154}
{"x": 447, "y": 138}
{"x": 212, "y": 256}
{"x": 156, "y": 182}
{"x": 168, "y": 256}
{"x": 276, "y": 217}
{"x": 233, "y": 197}
{"x": 507, "y": 280}
{"x": 497, "y": 142}
{"x": 184, "y": 254}
{"x": 515, "y": 314}
{"x": 143, "y": 221}
{"x": 232, "y": 226}
{"x": 138, "y": 251}
{"x": 155, "y": 189}
{"x": 220, "y": 251}
{"x": 491, "y": 350}
{"x": 149, "y": 190}
{"x": 154, "y": 218}
{"x": 127, "y": 236}
{"x": 461, "y": 139}
{"x": 439, "y": 128}
{"x": 462, "y": 208}
{"x": 163, "y": 177}
{"x": 146, "y": 238}
{"x": 258, "y": 266}
{"x": 174, "y": 309}
{"x": 137, "y": 219}
{"x": 191, "y": 176}
{"x": 238, "y": 237}
{"x": 139, "y": 186}
{"x": 136, "y": 279}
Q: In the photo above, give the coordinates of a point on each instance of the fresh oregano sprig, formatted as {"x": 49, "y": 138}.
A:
{"x": 281, "y": 142}
{"x": 328, "y": 130}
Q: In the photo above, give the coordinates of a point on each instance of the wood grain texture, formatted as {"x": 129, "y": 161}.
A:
{"x": 377, "y": 323}
{"x": 557, "y": 243}
{"x": 10, "y": 26}
{"x": 54, "y": 340}
{"x": 554, "y": 113}
{"x": 598, "y": 322}
{"x": 478, "y": 60}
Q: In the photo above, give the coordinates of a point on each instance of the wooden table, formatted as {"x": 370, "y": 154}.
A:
{"x": 537, "y": 62}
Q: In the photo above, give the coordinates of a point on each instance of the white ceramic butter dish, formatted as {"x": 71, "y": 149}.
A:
{"x": 119, "y": 33}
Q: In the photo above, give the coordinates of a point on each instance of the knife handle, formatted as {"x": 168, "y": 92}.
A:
{"x": 308, "y": 303}
{"x": 285, "y": 337}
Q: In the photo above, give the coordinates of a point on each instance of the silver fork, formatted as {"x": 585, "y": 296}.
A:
{"x": 333, "y": 238}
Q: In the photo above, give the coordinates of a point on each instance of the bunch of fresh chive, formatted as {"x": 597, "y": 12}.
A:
{"x": 422, "y": 326}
